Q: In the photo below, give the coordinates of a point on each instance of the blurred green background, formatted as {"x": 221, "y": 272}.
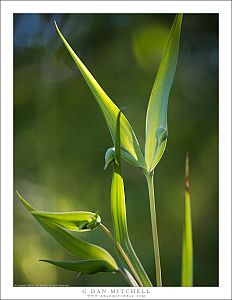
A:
{"x": 60, "y": 138}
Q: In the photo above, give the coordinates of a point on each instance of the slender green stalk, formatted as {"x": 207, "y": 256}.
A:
{"x": 122, "y": 252}
{"x": 118, "y": 210}
{"x": 150, "y": 185}
{"x": 187, "y": 247}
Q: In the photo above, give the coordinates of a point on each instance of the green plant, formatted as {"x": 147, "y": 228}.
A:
{"x": 126, "y": 146}
{"x": 187, "y": 251}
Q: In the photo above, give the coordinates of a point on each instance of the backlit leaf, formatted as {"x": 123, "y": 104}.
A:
{"x": 76, "y": 221}
{"x": 156, "y": 119}
{"x": 118, "y": 208}
{"x": 187, "y": 246}
{"x": 110, "y": 111}
{"x": 70, "y": 242}
{"x": 84, "y": 266}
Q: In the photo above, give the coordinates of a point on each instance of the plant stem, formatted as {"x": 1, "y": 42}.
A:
{"x": 125, "y": 277}
{"x": 122, "y": 252}
{"x": 150, "y": 185}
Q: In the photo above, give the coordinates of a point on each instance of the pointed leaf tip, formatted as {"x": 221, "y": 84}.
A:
{"x": 57, "y": 224}
{"x": 156, "y": 117}
{"x": 75, "y": 245}
{"x": 110, "y": 112}
{"x": 25, "y": 203}
{"x": 92, "y": 266}
{"x": 187, "y": 173}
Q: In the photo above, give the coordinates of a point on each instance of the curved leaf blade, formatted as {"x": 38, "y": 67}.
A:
{"x": 25, "y": 203}
{"x": 187, "y": 246}
{"x": 71, "y": 243}
{"x": 79, "y": 221}
{"x": 75, "y": 245}
{"x": 110, "y": 111}
{"x": 156, "y": 118}
{"x": 92, "y": 266}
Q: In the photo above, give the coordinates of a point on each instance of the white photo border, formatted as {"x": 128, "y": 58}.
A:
{"x": 223, "y": 8}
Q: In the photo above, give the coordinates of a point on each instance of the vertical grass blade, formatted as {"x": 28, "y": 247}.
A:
{"x": 118, "y": 208}
{"x": 187, "y": 247}
{"x": 156, "y": 118}
{"x": 110, "y": 111}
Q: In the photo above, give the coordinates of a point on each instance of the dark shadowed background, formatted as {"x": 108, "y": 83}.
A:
{"x": 60, "y": 138}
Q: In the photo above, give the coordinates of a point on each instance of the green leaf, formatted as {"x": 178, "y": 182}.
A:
{"x": 110, "y": 157}
{"x": 76, "y": 221}
{"x": 71, "y": 243}
{"x": 118, "y": 208}
{"x": 75, "y": 245}
{"x": 187, "y": 246}
{"x": 156, "y": 119}
{"x": 110, "y": 111}
{"x": 84, "y": 266}
{"x": 25, "y": 203}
